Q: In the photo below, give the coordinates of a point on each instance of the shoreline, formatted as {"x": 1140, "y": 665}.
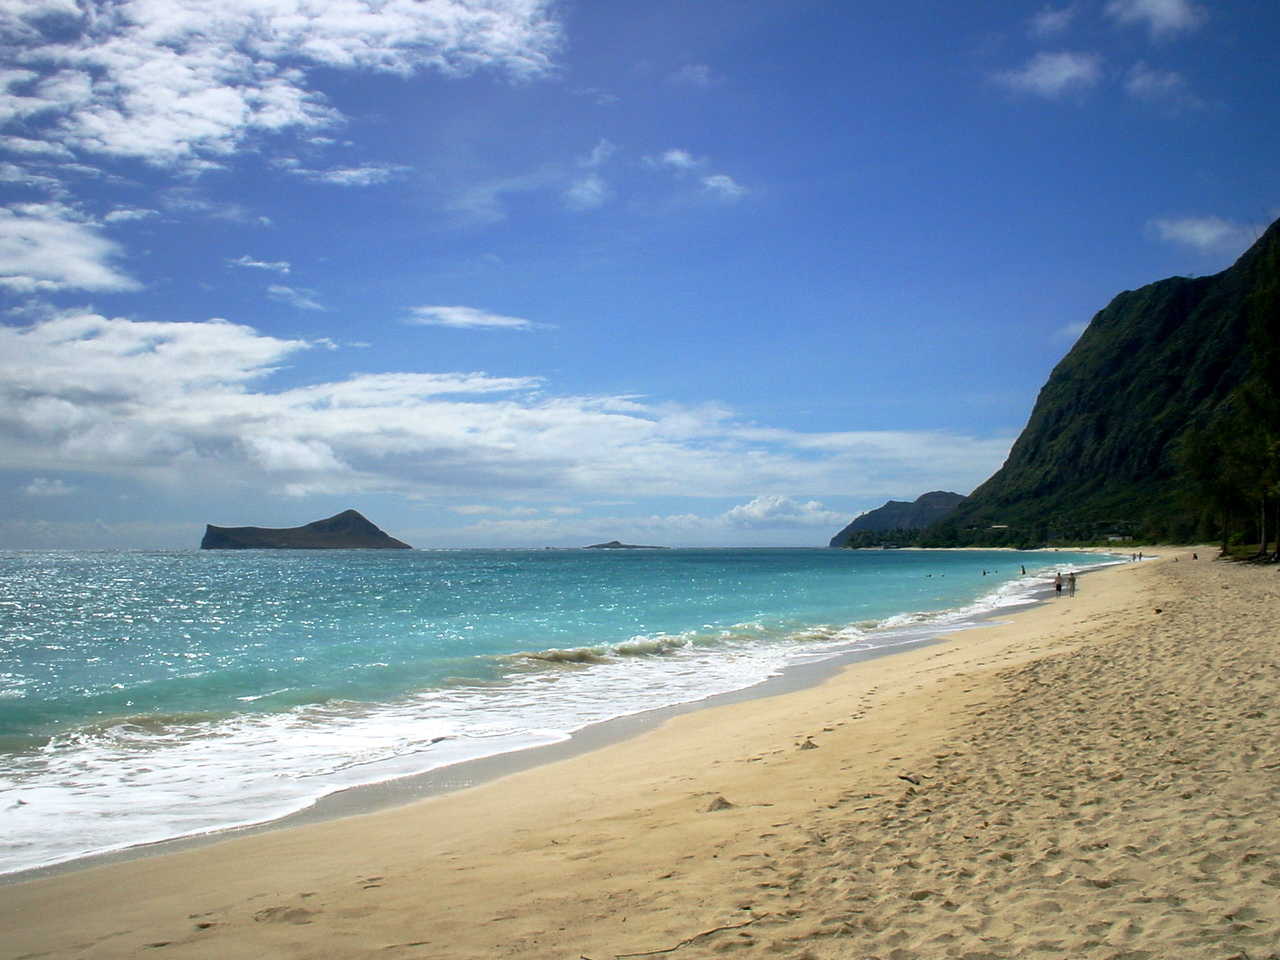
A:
{"x": 403, "y": 789}
{"x": 1085, "y": 777}
{"x": 381, "y": 795}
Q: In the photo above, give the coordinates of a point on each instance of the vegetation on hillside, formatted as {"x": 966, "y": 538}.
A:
{"x": 1162, "y": 424}
{"x": 1231, "y": 466}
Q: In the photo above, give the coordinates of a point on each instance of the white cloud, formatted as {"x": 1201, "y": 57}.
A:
{"x": 1051, "y": 75}
{"x": 18, "y": 175}
{"x": 1155, "y": 86}
{"x": 1162, "y": 17}
{"x": 80, "y": 354}
{"x": 695, "y": 75}
{"x": 24, "y": 146}
{"x": 587, "y": 193}
{"x": 601, "y": 98}
{"x": 722, "y": 187}
{"x": 277, "y": 454}
{"x": 49, "y": 247}
{"x": 298, "y": 297}
{"x": 183, "y": 404}
{"x": 187, "y": 200}
{"x": 778, "y": 511}
{"x": 484, "y": 203}
{"x": 180, "y": 83}
{"x": 675, "y": 158}
{"x": 1052, "y": 21}
{"x": 364, "y": 175}
{"x": 1209, "y": 235}
{"x": 43, "y": 487}
{"x": 468, "y": 318}
{"x": 126, "y": 214}
{"x": 276, "y": 266}
{"x": 599, "y": 154}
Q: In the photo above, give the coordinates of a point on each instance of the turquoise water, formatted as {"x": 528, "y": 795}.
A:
{"x": 151, "y": 695}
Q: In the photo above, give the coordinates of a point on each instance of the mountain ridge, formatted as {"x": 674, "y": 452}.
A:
{"x": 1099, "y": 453}
{"x": 348, "y": 530}
{"x": 916, "y": 514}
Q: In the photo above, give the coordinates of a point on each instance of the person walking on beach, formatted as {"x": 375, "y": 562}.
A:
{"x": 1071, "y": 584}
{"x": 1057, "y": 584}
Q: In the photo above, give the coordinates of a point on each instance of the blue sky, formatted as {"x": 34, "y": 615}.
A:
{"x": 527, "y": 273}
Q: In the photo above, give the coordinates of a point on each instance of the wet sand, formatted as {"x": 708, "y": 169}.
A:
{"x": 1091, "y": 779}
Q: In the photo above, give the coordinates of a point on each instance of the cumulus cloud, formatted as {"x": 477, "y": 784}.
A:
{"x": 1163, "y": 18}
{"x": 778, "y": 511}
{"x": 1208, "y": 235}
{"x": 15, "y": 174}
{"x": 723, "y": 187}
{"x": 25, "y": 146}
{"x": 45, "y": 247}
{"x": 1051, "y": 75}
{"x": 181, "y": 83}
{"x": 681, "y": 162}
{"x": 468, "y": 318}
{"x": 186, "y": 404}
{"x": 44, "y": 487}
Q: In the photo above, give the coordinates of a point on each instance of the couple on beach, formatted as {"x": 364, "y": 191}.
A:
{"x": 1070, "y": 584}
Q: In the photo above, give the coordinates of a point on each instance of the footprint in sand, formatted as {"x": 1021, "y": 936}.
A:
{"x": 296, "y": 915}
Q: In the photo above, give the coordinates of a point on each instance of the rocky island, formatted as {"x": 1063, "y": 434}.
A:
{"x": 617, "y": 545}
{"x": 348, "y": 530}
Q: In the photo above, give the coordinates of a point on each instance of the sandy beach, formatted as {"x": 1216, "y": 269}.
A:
{"x": 1096, "y": 777}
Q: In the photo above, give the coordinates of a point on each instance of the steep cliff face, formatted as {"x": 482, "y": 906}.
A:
{"x": 1098, "y": 453}
{"x": 347, "y": 531}
{"x": 901, "y": 515}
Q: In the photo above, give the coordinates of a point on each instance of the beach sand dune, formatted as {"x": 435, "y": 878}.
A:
{"x": 1097, "y": 778}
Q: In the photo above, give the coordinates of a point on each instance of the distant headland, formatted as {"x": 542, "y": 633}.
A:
{"x": 616, "y": 545}
{"x": 346, "y": 531}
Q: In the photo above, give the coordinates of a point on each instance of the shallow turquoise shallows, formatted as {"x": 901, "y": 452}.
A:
{"x": 150, "y": 695}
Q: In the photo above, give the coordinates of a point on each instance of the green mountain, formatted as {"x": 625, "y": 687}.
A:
{"x": 926, "y": 509}
{"x": 1099, "y": 455}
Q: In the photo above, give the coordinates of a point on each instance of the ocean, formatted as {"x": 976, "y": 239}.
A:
{"x": 148, "y": 696}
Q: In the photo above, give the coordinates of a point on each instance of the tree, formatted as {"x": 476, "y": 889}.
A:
{"x": 1260, "y": 394}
